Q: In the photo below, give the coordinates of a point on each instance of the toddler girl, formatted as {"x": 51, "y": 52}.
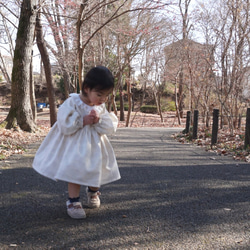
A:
{"x": 76, "y": 149}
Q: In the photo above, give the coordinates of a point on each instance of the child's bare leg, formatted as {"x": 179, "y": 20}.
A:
{"x": 74, "y": 190}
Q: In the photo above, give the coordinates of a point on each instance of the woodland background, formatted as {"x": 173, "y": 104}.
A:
{"x": 167, "y": 57}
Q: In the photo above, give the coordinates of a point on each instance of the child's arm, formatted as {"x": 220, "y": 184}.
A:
{"x": 107, "y": 124}
{"x": 68, "y": 119}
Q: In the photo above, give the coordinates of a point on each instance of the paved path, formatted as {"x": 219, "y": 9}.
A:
{"x": 171, "y": 196}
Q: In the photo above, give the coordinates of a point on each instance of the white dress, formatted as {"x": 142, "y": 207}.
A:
{"x": 75, "y": 153}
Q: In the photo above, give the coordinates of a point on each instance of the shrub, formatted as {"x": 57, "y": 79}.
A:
{"x": 125, "y": 106}
{"x": 171, "y": 106}
{"x": 148, "y": 109}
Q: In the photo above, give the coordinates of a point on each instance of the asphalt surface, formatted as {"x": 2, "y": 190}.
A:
{"x": 171, "y": 196}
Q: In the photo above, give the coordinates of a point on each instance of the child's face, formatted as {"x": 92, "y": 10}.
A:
{"x": 96, "y": 97}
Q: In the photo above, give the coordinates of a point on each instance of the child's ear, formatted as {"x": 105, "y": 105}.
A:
{"x": 85, "y": 90}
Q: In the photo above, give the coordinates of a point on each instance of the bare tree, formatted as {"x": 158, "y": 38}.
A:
{"x": 47, "y": 68}
{"x": 20, "y": 111}
{"x": 138, "y": 34}
{"x": 153, "y": 60}
{"x": 89, "y": 10}
{"x": 228, "y": 25}
{"x": 9, "y": 17}
{"x": 189, "y": 63}
{"x": 184, "y": 8}
{"x": 61, "y": 20}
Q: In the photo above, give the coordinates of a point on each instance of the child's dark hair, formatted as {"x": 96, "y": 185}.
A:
{"x": 98, "y": 78}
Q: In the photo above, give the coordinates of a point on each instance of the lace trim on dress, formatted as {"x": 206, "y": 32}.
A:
{"x": 84, "y": 106}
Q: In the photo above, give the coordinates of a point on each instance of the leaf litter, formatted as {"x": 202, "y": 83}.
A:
{"x": 227, "y": 144}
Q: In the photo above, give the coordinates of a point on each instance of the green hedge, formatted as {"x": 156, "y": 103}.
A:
{"x": 171, "y": 106}
{"x": 148, "y": 109}
{"x": 125, "y": 107}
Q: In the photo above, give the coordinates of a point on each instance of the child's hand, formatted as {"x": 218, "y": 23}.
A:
{"x": 92, "y": 118}
{"x": 95, "y": 115}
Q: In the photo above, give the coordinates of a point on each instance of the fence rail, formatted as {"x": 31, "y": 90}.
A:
{"x": 215, "y": 126}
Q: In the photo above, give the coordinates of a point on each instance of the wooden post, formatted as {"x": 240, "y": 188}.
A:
{"x": 195, "y": 125}
{"x": 239, "y": 122}
{"x": 247, "y": 131}
{"x": 215, "y": 126}
{"x": 188, "y": 120}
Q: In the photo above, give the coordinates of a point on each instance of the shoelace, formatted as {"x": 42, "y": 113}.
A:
{"x": 71, "y": 205}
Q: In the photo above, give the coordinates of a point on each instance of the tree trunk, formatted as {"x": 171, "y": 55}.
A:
{"x": 129, "y": 101}
{"x": 180, "y": 100}
{"x": 159, "y": 106}
{"x": 20, "y": 111}
{"x": 113, "y": 102}
{"x": 80, "y": 49}
{"x": 66, "y": 83}
{"x": 32, "y": 91}
{"x": 47, "y": 68}
{"x": 176, "y": 101}
{"x": 122, "y": 116}
{"x": 143, "y": 90}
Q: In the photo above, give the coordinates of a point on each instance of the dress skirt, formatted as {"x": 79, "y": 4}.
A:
{"x": 79, "y": 154}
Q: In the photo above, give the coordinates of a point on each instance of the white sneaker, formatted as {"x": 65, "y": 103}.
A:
{"x": 75, "y": 210}
{"x": 93, "y": 199}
